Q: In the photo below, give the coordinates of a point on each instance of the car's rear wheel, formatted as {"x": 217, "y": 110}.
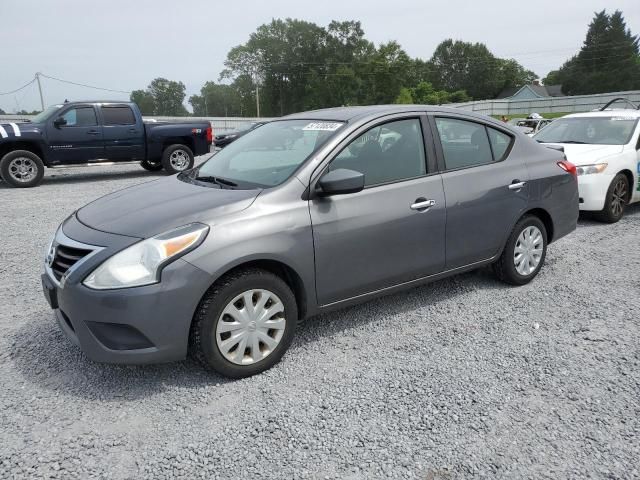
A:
{"x": 177, "y": 158}
{"x": 615, "y": 201}
{"x": 22, "y": 169}
{"x": 151, "y": 166}
{"x": 524, "y": 253}
{"x": 244, "y": 324}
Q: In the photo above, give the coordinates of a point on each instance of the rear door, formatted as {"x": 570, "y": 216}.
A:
{"x": 385, "y": 234}
{"x": 123, "y": 135}
{"x": 485, "y": 187}
{"x": 79, "y": 140}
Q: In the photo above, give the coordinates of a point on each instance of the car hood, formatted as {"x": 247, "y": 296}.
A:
{"x": 588, "y": 154}
{"x": 152, "y": 208}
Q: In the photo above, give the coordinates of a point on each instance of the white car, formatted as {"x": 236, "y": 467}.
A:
{"x": 605, "y": 147}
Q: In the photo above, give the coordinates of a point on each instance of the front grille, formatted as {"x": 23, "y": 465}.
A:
{"x": 65, "y": 258}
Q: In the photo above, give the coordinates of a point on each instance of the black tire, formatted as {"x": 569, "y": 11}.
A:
{"x": 173, "y": 165}
{"x": 617, "y": 197}
{"x": 203, "y": 344}
{"x": 10, "y": 164}
{"x": 505, "y": 268}
{"x": 151, "y": 166}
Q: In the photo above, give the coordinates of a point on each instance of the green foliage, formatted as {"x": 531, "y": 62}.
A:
{"x": 457, "y": 65}
{"x": 162, "y": 97}
{"x": 425, "y": 94}
{"x": 608, "y": 61}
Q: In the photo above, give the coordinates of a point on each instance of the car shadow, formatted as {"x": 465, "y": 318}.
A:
{"x": 44, "y": 356}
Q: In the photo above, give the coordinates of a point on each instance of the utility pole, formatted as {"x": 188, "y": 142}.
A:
{"x": 40, "y": 89}
{"x": 257, "y": 100}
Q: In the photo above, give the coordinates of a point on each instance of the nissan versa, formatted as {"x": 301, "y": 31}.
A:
{"x": 309, "y": 213}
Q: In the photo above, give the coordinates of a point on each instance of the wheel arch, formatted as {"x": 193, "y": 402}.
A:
{"x": 545, "y": 218}
{"x": 279, "y": 268}
{"x": 29, "y": 146}
{"x": 186, "y": 141}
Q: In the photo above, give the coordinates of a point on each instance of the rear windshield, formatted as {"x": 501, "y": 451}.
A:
{"x": 589, "y": 130}
{"x": 267, "y": 156}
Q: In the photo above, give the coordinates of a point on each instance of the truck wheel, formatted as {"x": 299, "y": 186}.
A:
{"x": 151, "y": 166}
{"x": 21, "y": 169}
{"x": 177, "y": 158}
{"x": 524, "y": 253}
{"x": 244, "y": 324}
{"x": 617, "y": 197}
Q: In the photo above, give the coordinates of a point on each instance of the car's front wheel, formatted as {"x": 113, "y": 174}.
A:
{"x": 524, "y": 253}
{"x": 244, "y": 324}
{"x": 22, "y": 169}
{"x": 615, "y": 201}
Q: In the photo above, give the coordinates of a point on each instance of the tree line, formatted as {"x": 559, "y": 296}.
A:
{"x": 294, "y": 65}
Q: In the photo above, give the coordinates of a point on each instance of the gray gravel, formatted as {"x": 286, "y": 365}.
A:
{"x": 461, "y": 378}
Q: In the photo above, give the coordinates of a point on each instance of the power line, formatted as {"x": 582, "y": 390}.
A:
{"x": 84, "y": 85}
{"x": 18, "y": 89}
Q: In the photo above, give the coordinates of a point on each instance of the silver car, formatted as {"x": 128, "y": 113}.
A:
{"x": 309, "y": 213}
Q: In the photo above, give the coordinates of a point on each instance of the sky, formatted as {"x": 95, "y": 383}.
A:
{"x": 124, "y": 44}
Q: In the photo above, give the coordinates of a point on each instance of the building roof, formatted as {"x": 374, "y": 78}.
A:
{"x": 541, "y": 91}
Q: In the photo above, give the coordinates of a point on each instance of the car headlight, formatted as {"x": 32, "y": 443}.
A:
{"x": 141, "y": 264}
{"x": 590, "y": 169}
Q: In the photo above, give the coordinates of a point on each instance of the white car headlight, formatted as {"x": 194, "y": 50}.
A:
{"x": 591, "y": 169}
{"x": 140, "y": 264}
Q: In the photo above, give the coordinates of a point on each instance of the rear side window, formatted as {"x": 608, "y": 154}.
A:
{"x": 118, "y": 116}
{"x": 464, "y": 144}
{"x": 80, "y": 117}
{"x": 386, "y": 153}
{"x": 500, "y": 143}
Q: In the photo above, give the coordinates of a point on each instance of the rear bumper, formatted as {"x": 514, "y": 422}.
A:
{"x": 593, "y": 190}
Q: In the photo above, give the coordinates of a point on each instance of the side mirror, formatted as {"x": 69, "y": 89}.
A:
{"x": 59, "y": 122}
{"x": 339, "y": 182}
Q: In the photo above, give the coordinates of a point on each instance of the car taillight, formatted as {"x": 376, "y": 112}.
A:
{"x": 568, "y": 167}
{"x": 210, "y": 135}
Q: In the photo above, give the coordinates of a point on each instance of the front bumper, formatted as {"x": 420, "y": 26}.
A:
{"x": 593, "y": 190}
{"x": 147, "y": 324}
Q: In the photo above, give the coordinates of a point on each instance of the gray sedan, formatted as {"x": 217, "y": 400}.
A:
{"x": 309, "y": 213}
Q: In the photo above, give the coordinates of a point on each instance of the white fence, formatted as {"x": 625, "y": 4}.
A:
{"x": 577, "y": 103}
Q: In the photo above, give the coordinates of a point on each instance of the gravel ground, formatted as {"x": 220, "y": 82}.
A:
{"x": 461, "y": 378}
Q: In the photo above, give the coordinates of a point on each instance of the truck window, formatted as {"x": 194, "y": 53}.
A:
{"x": 118, "y": 115}
{"x": 80, "y": 117}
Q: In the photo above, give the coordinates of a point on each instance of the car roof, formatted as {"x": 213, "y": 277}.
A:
{"x": 349, "y": 114}
{"x": 622, "y": 112}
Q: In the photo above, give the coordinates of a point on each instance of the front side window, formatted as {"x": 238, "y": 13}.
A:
{"x": 589, "y": 130}
{"x": 386, "y": 153}
{"x": 80, "y": 117}
{"x": 465, "y": 144}
{"x": 118, "y": 116}
{"x": 267, "y": 156}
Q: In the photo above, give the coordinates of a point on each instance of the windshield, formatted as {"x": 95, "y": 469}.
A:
{"x": 267, "y": 156}
{"x": 589, "y": 130}
{"x": 42, "y": 116}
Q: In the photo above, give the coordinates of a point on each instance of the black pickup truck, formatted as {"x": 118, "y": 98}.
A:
{"x": 77, "y": 133}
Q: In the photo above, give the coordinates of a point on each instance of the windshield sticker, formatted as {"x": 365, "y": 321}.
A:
{"x": 323, "y": 126}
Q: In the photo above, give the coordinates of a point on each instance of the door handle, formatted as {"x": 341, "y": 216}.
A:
{"x": 93, "y": 132}
{"x": 422, "y": 204}
{"x": 133, "y": 130}
{"x": 516, "y": 185}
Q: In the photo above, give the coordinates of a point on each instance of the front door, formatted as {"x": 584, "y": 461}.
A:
{"x": 78, "y": 139}
{"x": 392, "y": 231}
{"x": 485, "y": 187}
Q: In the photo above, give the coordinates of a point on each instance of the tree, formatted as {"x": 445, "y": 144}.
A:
{"x": 217, "y": 100}
{"x": 457, "y": 65}
{"x": 425, "y": 94}
{"x": 608, "y": 61}
{"x": 162, "y": 97}
{"x": 145, "y": 101}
